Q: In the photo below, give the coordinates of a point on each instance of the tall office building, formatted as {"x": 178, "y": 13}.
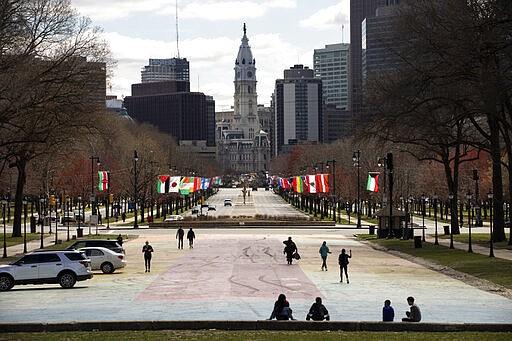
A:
{"x": 243, "y": 147}
{"x": 298, "y": 109}
{"x": 171, "y": 69}
{"x": 359, "y": 10}
{"x": 331, "y": 66}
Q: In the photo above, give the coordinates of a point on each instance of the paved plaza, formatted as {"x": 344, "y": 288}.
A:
{"x": 237, "y": 274}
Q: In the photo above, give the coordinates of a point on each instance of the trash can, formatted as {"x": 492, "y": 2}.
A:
{"x": 371, "y": 229}
{"x": 32, "y": 224}
{"x": 446, "y": 229}
{"x": 79, "y": 232}
{"x": 417, "y": 242}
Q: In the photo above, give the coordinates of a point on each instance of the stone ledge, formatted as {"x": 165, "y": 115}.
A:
{"x": 254, "y": 325}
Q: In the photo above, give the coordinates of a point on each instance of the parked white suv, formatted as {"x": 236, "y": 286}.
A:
{"x": 63, "y": 267}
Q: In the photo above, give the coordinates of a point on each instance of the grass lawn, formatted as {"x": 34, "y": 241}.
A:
{"x": 496, "y": 270}
{"x": 257, "y": 335}
{"x": 479, "y": 239}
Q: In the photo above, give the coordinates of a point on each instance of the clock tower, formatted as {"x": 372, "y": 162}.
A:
{"x": 245, "y": 116}
{"x": 242, "y": 146}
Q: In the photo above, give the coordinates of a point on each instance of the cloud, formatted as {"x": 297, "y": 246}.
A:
{"x": 329, "y": 18}
{"x": 211, "y": 10}
{"x": 116, "y": 9}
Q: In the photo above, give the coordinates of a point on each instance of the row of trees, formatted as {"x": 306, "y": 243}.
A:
{"x": 445, "y": 108}
{"x": 53, "y": 65}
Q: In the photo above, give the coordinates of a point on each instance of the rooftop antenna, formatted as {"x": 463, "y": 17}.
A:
{"x": 177, "y": 32}
{"x": 342, "y": 35}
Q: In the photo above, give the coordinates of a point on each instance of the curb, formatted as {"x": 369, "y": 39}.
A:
{"x": 253, "y": 325}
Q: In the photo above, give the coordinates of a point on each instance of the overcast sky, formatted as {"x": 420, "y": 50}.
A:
{"x": 281, "y": 33}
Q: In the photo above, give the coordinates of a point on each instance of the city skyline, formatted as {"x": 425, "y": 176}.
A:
{"x": 281, "y": 34}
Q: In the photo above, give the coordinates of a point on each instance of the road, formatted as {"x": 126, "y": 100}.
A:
{"x": 236, "y": 274}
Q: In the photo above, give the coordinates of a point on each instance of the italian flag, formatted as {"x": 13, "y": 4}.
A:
{"x": 373, "y": 182}
{"x": 174, "y": 184}
{"x": 103, "y": 181}
{"x": 162, "y": 185}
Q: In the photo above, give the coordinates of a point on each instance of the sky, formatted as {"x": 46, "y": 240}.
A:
{"x": 281, "y": 33}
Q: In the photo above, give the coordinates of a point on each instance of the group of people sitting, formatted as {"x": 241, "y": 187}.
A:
{"x": 318, "y": 312}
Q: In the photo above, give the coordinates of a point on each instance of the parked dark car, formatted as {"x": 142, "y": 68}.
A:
{"x": 107, "y": 243}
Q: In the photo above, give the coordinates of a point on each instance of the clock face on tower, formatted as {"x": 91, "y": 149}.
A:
{"x": 249, "y": 74}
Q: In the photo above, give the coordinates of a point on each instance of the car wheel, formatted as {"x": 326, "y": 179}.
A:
{"x": 67, "y": 280}
{"x": 6, "y": 282}
{"x": 107, "y": 268}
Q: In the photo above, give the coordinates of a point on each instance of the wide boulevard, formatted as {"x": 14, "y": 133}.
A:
{"x": 237, "y": 274}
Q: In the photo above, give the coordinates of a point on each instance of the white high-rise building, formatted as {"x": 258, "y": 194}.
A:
{"x": 243, "y": 147}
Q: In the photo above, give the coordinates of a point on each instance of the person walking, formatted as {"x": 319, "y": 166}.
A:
{"x": 414, "y": 313}
{"x": 324, "y": 251}
{"x": 289, "y": 249}
{"x": 147, "y": 250}
{"x": 123, "y": 216}
{"x": 343, "y": 262}
{"x": 179, "y": 235}
{"x": 388, "y": 313}
{"x": 318, "y": 312}
{"x": 282, "y": 310}
{"x": 120, "y": 240}
{"x": 191, "y": 236}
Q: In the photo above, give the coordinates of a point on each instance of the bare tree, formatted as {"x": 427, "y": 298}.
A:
{"x": 52, "y": 83}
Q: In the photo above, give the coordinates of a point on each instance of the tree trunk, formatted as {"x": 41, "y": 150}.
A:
{"x": 18, "y": 199}
{"x": 497, "y": 182}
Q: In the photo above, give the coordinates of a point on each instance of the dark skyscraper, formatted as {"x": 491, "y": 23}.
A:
{"x": 359, "y": 10}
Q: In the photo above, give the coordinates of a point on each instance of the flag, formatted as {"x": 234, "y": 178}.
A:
{"x": 205, "y": 183}
{"x": 322, "y": 183}
{"x": 283, "y": 182}
{"x": 174, "y": 184}
{"x": 297, "y": 184}
{"x": 186, "y": 185}
{"x": 373, "y": 182}
{"x": 162, "y": 185}
{"x": 310, "y": 184}
{"x": 103, "y": 181}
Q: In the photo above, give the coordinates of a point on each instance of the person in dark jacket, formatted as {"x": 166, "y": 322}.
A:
{"x": 318, "y": 312}
{"x": 191, "y": 236}
{"x": 120, "y": 240}
{"x": 282, "y": 310}
{"x": 388, "y": 313}
{"x": 343, "y": 262}
{"x": 179, "y": 235}
{"x": 414, "y": 314}
{"x": 289, "y": 249}
{"x": 147, "y": 250}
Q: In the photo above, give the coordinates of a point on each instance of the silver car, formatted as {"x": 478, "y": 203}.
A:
{"x": 104, "y": 259}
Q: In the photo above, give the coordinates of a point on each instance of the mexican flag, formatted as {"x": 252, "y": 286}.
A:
{"x": 162, "y": 185}
{"x": 322, "y": 183}
{"x": 311, "y": 184}
{"x": 103, "y": 181}
{"x": 174, "y": 184}
{"x": 373, "y": 182}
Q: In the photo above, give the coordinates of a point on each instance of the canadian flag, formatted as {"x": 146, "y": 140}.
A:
{"x": 322, "y": 183}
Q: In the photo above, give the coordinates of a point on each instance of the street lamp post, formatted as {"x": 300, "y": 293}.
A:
{"x": 93, "y": 199}
{"x": 333, "y": 162}
{"x": 490, "y": 195}
{"x": 67, "y": 214}
{"x": 478, "y": 218}
{"x": 469, "y": 196}
{"x": 25, "y": 225}
{"x": 135, "y": 159}
{"x": 436, "y": 242}
{"x": 423, "y": 216}
{"x": 4, "y": 203}
{"x": 451, "y": 196}
{"x": 356, "y": 159}
{"x": 41, "y": 203}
